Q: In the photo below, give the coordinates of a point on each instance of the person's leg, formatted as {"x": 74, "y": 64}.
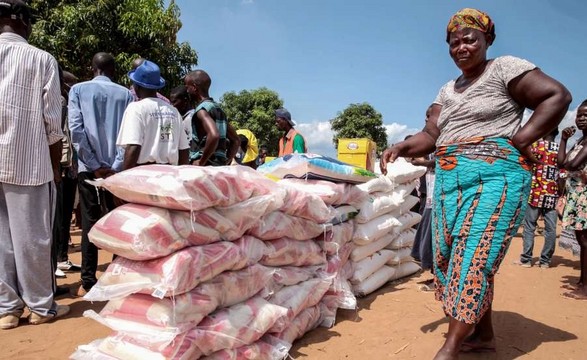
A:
{"x": 58, "y": 211}
{"x": 10, "y": 301}
{"x": 530, "y": 219}
{"x": 457, "y": 333}
{"x": 31, "y": 213}
{"x": 550, "y": 218}
{"x": 90, "y": 213}
{"x": 69, "y": 189}
{"x": 580, "y": 292}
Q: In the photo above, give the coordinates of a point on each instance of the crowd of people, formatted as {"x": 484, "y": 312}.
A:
{"x": 486, "y": 175}
{"x": 85, "y": 131}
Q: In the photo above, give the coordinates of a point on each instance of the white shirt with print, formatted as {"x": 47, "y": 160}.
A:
{"x": 157, "y": 127}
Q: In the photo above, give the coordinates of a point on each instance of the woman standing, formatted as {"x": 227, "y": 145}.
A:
{"x": 482, "y": 172}
{"x": 575, "y": 213}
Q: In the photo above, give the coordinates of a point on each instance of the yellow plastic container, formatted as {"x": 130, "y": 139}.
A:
{"x": 359, "y": 152}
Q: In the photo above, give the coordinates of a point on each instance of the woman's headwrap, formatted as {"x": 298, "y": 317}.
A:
{"x": 252, "y": 150}
{"x": 473, "y": 19}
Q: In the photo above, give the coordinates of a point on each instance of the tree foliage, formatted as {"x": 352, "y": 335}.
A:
{"x": 255, "y": 110}
{"x": 359, "y": 121}
{"x": 74, "y": 30}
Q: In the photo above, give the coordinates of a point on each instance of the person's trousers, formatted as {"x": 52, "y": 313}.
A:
{"x": 530, "y": 219}
{"x": 26, "y": 272}
{"x": 63, "y": 214}
{"x": 94, "y": 204}
{"x": 57, "y": 231}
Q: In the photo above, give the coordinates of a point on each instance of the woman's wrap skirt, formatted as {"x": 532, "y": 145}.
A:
{"x": 480, "y": 197}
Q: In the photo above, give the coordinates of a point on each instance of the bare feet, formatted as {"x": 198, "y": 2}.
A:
{"x": 444, "y": 354}
{"x": 580, "y": 293}
{"x": 478, "y": 344}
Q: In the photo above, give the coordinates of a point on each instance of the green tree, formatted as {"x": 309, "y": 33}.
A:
{"x": 255, "y": 110}
{"x": 74, "y": 30}
{"x": 359, "y": 121}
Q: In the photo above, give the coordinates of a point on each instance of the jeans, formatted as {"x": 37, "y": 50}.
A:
{"x": 550, "y": 218}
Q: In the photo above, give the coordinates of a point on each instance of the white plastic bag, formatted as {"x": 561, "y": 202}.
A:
{"x": 401, "y": 171}
{"x": 375, "y": 229}
{"x": 404, "y": 239}
{"x": 331, "y": 193}
{"x": 408, "y": 220}
{"x": 369, "y": 265}
{"x": 404, "y": 270}
{"x": 406, "y": 205}
{"x": 374, "y": 282}
{"x": 337, "y": 236}
{"x": 378, "y": 204}
{"x": 400, "y": 256}
{"x": 379, "y": 184}
{"x": 286, "y": 251}
{"x": 361, "y": 252}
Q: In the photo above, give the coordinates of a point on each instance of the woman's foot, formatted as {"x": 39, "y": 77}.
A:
{"x": 573, "y": 286}
{"x": 444, "y": 354}
{"x": 478, "y": 343}
{"x": 579, "y": 293}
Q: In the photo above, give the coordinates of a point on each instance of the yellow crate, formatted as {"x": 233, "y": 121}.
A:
{"x": 359, "y": 152}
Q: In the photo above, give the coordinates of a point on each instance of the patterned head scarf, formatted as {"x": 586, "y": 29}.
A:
{"x": 473, "y": 19}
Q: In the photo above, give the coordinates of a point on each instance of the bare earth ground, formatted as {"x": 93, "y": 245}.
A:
{"x": 532, "y": 320}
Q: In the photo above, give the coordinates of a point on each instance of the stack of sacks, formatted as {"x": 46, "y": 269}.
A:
{"x": 193, "y": 277}
{"x": 384, "y": 235}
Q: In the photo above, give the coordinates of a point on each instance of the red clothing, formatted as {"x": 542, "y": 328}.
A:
{"x": 544, "y": 188}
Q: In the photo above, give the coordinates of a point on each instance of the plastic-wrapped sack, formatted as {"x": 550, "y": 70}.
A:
{"x": 401, "y": 171}
{"x": 237, "y": 326}
{"x": 315, "y": 167}
{"x": 337, "y": 262}
{"x": 307, "y": 320}
{"x": 140, "y": 232}
{"x": 296, "y": 298}
{"x": 367, "y": 266}
{"x": 305, "y": 205}
{"x": 344, "y": 213}
{"x": 286, "y": 251}
{"x": 264, "y": 349}
{"x": 405, "y": 269}
{"x": 252, "y": 251}
{"x": 379, "y": 184}
{"x": 167, "y": 317}
{"x": 292, "y": 275}
{"x": 340, "y": 294}
{"x": 187, "y": 187}
{"x": 332, "y": 240}
{"x": 408, "y": 220}
{"x": 378, "y": 204}
{"x": 120, "y": 347}
{"x": 375, "y": 229}
{"x": 361, "y": 252}
{"x": 374, "y": 282}
{"x": 400, "y": 256}
{"x": 172, "y": 275}
{"x": 277, "y": 225}
{"x": 404, "y": 239}
{"x": 331, "y": 193}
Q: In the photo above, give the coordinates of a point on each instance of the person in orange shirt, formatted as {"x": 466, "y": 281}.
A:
{"x": 291, "y": 141}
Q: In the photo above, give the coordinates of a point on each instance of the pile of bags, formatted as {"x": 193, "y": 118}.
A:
{"x": 224, "y": 263}
{"x": 384, "y": 233}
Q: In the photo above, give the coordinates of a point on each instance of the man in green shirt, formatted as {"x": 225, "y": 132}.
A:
{"x": 291, "y": 141}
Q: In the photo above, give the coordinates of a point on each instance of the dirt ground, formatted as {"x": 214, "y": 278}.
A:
{"x": 531, "y": 319}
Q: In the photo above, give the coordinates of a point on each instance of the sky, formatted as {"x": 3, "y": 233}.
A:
{"x": 322, "y": 55}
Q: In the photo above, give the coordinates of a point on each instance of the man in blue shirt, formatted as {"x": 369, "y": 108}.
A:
{"x": 95, "y": 113}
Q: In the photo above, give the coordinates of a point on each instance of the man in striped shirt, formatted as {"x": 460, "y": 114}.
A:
{"x": 30, "y": 144}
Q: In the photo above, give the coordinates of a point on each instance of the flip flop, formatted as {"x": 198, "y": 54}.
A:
{"x": 427, "y": 288}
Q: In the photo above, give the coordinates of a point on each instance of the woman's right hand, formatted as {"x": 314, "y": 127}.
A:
{"x": 568, "y": 132}
{"x": 388, "y": 156}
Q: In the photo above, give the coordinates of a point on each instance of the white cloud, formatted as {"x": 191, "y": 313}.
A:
{"x": 318, "y": 135}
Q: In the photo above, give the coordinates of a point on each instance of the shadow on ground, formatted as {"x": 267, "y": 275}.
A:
{"x": 517, "y": 336}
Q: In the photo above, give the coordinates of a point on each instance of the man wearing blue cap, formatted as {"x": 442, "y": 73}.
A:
{"x": 95, "y": 110}
{"x": 291, "y": 141}
{"x": 152, "y": 130}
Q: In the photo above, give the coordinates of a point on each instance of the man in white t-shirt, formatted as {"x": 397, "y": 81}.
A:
{"x": 152, "y": 130}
